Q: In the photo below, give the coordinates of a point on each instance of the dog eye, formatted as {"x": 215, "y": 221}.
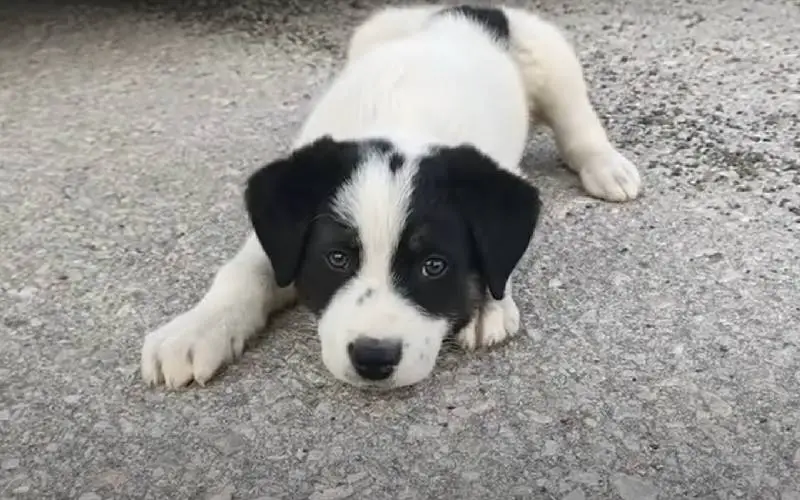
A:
{"x": 338, "y": 260}
{"x": 433, "y": 267}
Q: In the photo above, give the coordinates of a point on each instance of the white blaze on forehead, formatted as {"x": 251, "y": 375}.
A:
{"x": 376, "y": 201}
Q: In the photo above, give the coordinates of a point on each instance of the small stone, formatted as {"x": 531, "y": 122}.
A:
{"x": 126, "y": 426}
{"x": 533, "y": 334}
{"x": 10, "y": 463}
{"x": 224, "y": 494}
{"x": 575, "y": 495}
{"x": 89, "y": 496}
{"x": 24, "y": 293}
{"x": 332, "y": 493}
{"x": 634, "y": 488}
{"x": 471, "y": 476}
{"x": 230, "y": 443}
{"x": 421, "y": 431}
{"x": 717, "y": 405}
{"x": 72, "y": 399}
{"x": 586, "y": 478}
{"x": 539, "y": 418}
{"x": 5, "y": 415}
{"x": 356, "y": 477}
{"x": 550, "y": 448}
{"x": 124, "y": 311}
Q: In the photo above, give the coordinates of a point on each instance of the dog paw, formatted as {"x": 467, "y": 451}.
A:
{"x": 498, "y": 320}
{"x": 611, "y": 177}
{"x": 193, "y": 346}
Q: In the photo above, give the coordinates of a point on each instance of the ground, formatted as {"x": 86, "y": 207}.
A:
{"x": 660, "y": 353}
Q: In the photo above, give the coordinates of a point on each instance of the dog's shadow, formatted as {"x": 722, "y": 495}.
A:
{"x": 546, "y": 170}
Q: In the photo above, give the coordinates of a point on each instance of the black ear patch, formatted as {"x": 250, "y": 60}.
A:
{"x": 501, "y": 210}
{"x": 283, "y": 197}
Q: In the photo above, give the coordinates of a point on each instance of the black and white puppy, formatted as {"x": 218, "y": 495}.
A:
{"x": 401, "y": 211}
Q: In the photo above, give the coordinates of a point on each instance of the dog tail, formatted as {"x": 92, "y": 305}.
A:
{"x": 387, "y": 24}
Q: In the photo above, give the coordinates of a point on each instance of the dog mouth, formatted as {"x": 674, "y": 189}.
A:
{"x": 352, "y": 378}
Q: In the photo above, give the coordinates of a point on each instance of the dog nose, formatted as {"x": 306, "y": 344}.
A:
{"x": 374, "y": 359}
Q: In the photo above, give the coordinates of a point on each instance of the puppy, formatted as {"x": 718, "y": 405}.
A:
{"x": 401, "y": 212}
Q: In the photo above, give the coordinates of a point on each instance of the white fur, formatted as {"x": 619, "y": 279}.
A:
{"x": 417, "y": 85}
{"x": 376, "y": 202}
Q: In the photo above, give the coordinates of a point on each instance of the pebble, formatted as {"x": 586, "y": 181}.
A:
{"x": 89, "y": 496}
{"x": 575, "y": 495}
{"x": 550, "y": 448}
{"x": 356, "y": 477}
{"x": 230, "y": 443}
{"x": 634, "y": 488}
{"x": 539, "y": 418}
{"x": 21, "y": 490}
{"x": 717, "y": 405}
{"x": 10, "y": 463}
{"x": 224, "y": 494}
{"x": 333, "y": 493}
{"x": 72, "y": 399}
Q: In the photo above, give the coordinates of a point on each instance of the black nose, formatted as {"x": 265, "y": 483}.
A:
{"x": 374, "y": 359}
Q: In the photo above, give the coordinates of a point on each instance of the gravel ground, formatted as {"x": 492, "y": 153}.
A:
{"x": 663, "y": 336}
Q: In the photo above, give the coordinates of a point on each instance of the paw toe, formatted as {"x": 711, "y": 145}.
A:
{"x": 496, "y": 323}
{"x": 186, "y": 349}
{"x": 612, "y": 178}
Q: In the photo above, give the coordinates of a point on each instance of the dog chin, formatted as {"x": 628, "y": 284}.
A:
{"x": 351, "y": 378}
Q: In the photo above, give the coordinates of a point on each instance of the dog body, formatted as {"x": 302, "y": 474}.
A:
{"x": 450, "y": 84}
{"x": 401, "y": 213}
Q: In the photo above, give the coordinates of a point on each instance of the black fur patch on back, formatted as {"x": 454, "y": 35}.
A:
{"x": 492, "y": 19}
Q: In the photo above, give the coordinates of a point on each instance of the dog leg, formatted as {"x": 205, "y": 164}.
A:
{"x": 195, "y": 344}
{"x": 557, "y": 93}
{"x": 496, "y": 321}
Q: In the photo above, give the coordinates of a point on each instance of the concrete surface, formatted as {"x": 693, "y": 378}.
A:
{"x": 661, "y": 360}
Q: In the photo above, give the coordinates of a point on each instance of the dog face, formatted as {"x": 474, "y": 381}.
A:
{"x": 393, "y": 252}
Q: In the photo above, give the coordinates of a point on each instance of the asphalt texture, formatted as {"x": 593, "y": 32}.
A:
{"x": 662, "y": 337}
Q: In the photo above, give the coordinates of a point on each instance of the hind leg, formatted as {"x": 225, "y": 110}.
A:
{"x": 557, "y": 92}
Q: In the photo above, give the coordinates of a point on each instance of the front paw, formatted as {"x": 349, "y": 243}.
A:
{"x": 193, "y": 346}
{"x": 611, "y": 177}
{"x": 497, "y": 320}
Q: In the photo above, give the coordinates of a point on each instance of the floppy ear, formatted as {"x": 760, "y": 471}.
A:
{"x": 283, "y": 198}
{"x": 500, "y": 208}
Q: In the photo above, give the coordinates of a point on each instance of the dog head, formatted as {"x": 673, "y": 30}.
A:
{"x": 393, "y": 252}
